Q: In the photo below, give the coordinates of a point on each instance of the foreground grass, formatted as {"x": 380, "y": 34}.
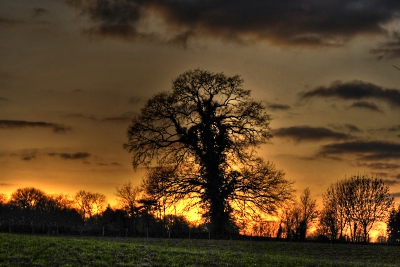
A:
{"x": 26, "y": 250}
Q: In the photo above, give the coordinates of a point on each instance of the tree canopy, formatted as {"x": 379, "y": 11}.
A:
{"x": 354, "y": 205}
{"x": 202, "y": 138}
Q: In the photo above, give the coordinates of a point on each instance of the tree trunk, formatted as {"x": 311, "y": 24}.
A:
{"x": 215, "y": 195}
{"x": 218, "y": 218}
{"x": 216, "y": 199}
{"x": 303, "y": 230}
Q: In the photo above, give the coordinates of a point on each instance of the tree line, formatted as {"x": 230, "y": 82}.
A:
{"x": 31, "y": 210}
{"x": 351, "y": 209}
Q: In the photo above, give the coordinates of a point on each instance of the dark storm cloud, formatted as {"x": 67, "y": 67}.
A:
{"x": 37, "y": 12}
{"x": 78, "y": 155}
{"x": 389, "y": 49}
{"x": 290, "y": 22}
{"x": 109, "y": 164}
{"x": 380, "y": 166}
{"x": 117, "y": 119}
{"x": 114, "y": 18}
{"x": 14, "y": 124}
{"x": 126, "y": 117}
{"x": 29, "y": 155}
{"x": 81, "y": 116}
{"x": 307, "y": 133}
{"x": 6, "y": 184}
{"x": 346, "y": 127}
{"x": 356, "y": 90}
{"x": 278, "y": 107}
{"x": 366, "y": 105}
{"x": 25, "y": 154}
{"x": 364, "y": 150}
{"x": 9, "y": 22}
{"x": 385, "y": 130}
{"x": 394, "y": 128}
{"x": 352, "y": 128}
{"x": 135, "y": 100}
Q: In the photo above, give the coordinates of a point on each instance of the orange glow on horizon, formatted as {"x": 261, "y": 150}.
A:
{"x": 193, "y": 216}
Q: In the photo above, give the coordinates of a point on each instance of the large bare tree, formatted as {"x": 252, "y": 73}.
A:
{"x": 203, "y": 137}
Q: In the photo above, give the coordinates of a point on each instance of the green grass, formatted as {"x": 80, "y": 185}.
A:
{"x": 30, "y": 250}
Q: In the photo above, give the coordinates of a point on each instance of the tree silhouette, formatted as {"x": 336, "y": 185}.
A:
{"x": 332, "y": 219}
{"x": 28, "y": 198}
{"x": 128, "y": 198}
{"x": 203, "y": 135}
{"x": 32, "y": 204}
{"x": 393, "y": 226}
{"x": 309, "y": 212}
{"x": 90, "y": 204}
{"x": 31, "y": 209}
{"x": 355, "y": 204}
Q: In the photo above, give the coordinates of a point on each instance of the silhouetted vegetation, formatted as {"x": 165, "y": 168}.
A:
{"x": 352, "y": 207}
{"x": 30, "y": 210}
{"x": 298, "y": 217}
{"x": 202, "y": 136}
{"x": 199, "y": 143}
{"x": 393, "y": 226}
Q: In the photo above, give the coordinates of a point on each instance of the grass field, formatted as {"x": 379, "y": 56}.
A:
{"x": 30, "y": 250}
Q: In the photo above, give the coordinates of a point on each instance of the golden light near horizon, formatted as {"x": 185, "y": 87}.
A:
{"x": 257, "y": 224}
{"x": 73, "y": 75}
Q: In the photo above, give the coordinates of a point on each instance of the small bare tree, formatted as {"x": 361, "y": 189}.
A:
{"x": 128, "y": 196}
{"x": 90, "y": 204}
{"x": 299, "y": 216}
{"x": 354, "y": 205}
{"x": 309, "y": 212}
{"x": 291, "y": 218}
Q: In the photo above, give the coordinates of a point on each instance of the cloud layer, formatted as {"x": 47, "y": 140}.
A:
{"x": 357, "y": 90}
{"x": 366, "y": 105}
{"x": 15, "y": 124}
{"x": 78, "y": 155}
{"x": 291, "y": 22}
{"x": 311, "y": 134}
{"x": 275, "y": 107}
{"x": 364, "y": 150}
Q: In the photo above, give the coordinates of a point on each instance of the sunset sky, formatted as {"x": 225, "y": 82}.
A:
{"x": 74, "y": 72}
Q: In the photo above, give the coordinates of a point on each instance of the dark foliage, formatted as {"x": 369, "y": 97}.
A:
{"x": 393, "y": 226}
{"x": 353, "y": 206}
{"x": 30, "y": 210}
{"x": 202, "y": 136}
